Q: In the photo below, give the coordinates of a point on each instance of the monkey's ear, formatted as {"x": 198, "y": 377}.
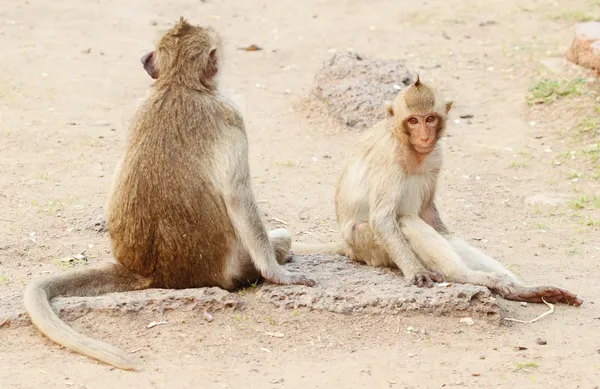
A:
{"x": 213, "y": 62}
{"x": 417, "y": 82}
{"x": 148, "y": 60}
{"x": 448, "y": 106}
{"x": 389, "y": 109}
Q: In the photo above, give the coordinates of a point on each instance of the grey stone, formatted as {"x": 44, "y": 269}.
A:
{"x": 343, "y": 287}
{"x": 153, "y": 300}
{"x": 595, "y": 47}
{"x": 555, "y": 64}
{"x": 346, "y": 287}
{"x": 585, "y": 49}
{"x": 553, "y": 199}
{"x": 354, "y": 87}
{"x": 588, "y": 31}
{"x": 101, "y": 123}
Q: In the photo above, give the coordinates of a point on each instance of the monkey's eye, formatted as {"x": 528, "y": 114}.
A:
{"x": 430, "y": 119}
{"x": 413, "y": 120}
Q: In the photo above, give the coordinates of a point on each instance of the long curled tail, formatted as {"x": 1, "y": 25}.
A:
{"x": 89, "y": 282}
{"x": 334, "y": 248}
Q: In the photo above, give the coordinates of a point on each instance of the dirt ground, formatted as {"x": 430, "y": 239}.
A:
{"x": 70, "y": 80}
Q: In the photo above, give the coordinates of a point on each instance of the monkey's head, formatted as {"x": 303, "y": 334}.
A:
{"x": 186, "y": 54}
{"x": 418, "y": 117}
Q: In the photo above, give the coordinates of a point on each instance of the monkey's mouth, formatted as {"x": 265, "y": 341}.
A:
{"x": 424, "y": 149}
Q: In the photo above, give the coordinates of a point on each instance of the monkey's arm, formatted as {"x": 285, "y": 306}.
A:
{"x": 245, "y": 216}
{"x": 385, "y": 223}
{"x": 432, "y": 217}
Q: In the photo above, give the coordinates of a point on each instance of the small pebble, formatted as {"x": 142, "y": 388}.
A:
{"x": 466, "y": 321}
{"x": 523, "y": 304}
{"x": 540, "y": 341}
{"x": 101, "y": 123}
{"x": 482, "y": 357}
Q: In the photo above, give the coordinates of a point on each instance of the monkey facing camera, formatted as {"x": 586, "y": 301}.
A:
{"x": 385, "y": 206}
{"x": 181, "y": 211}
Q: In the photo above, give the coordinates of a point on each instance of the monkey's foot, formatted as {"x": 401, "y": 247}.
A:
{"x": 289, "y": 257}
{"x": 287, "y": 278}
{"x": 424, "y": 278}
{"x": 551, "y": 294}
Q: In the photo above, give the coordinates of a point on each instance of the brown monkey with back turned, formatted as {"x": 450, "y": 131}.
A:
{"x": 181, "y": 212}
{"x": 386, "y": 212}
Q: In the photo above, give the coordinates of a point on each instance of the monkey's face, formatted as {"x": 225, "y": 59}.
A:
{"x": 423, "y": 131}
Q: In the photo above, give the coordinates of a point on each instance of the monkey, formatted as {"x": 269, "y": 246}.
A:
{"x": 386, "y": 212}
{"x": 181, "y": 212}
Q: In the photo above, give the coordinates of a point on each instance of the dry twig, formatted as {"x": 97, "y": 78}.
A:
{"x": 535, "y": 319}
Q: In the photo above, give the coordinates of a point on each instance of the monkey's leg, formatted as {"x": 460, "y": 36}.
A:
{"x": 242, "y": 269}
{"x": 477, "y": 260}
{"x": 438, "y": 254}
{"x": 282, "y": 242}
{"x": 390, "y": 249}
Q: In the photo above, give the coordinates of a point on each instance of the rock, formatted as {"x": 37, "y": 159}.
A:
{"x": 466, "y": 321}
{"x": 346, "y": 287}
{"x": 585, "y": 48}
{"x": 588, "y": 30}
{"x": 354, "y": 88}
{"x": 153, "y": 300}
{"x": 556, "y": 65}
{"x": 541, "y": 341}
{"x": 343, "y": 287}
{"x": 101, "y": 123}
{"x": 97, "y": 222}
{"x": 595, "y": 48}
{"x": 553, "y": 199}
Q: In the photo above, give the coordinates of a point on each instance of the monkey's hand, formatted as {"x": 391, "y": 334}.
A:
{"x": 289, "y": 258}
{"x": 284, "y": 277}
{"x": 423, "y": 278}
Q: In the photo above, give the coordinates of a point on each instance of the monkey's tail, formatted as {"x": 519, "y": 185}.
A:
{"x": 334, "y": 248}
{"x": 89, "y": 282}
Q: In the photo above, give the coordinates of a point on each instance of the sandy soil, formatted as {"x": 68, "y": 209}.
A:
{"x": 70, "y": 81}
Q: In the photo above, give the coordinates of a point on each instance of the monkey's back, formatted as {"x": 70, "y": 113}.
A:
{"x": 167, "y": 220}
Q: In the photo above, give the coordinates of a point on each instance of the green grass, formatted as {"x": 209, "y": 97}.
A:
{"x": 589, "y": 126}
{"x": 526, "y": 366}
{"x": 575, "y": 15}
{"x": 583, "y": 200}
{"x": 589, "y": 222}
{"x": 546, "y": 91}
